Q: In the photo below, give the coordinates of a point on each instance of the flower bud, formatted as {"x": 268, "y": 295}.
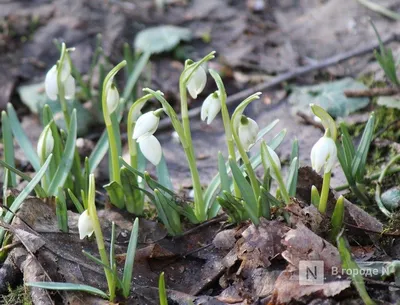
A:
{"x": 85, "y": 225}
{"x": 197, "y": 81}
{"x": 146, "y": 125}
{"x": 69, "y": 87}
{"x": 268, "y": 165}
{"x": 65, "y": 69}
{"x": 50, "y": 83}
{"x": 247, "y": 132}
{"x": 323, "y": 154}
{"x": 211, "y": 107}
{"x": 112, "y": 98}
{"x": 45, "y": 144}
{"x": 151, "y": 148}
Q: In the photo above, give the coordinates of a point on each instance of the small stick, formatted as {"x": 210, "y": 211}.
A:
{"x": 165, "y": 123}
{"x": 372, "y": 92}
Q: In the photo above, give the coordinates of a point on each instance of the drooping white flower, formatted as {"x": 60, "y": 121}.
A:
{"x": 85, "y": 225}
{"x": 146, "y": 125}
{"x": 197, "y": 81}
{"x": 323, "y": 155}
{"x": 151, "y": 148}
{"x": 211, "y": 107}
{"x": 69, "y": 87}
{"x": 247, "y": 132}
{"x": 50, "y": 83}
{"x": 268, "y": 164}
{"x": 112, "y": 98}
{"x": 45, "y": 143}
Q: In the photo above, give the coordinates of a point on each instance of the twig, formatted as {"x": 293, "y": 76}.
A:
{"x": 165, "y": 123}
{"x": 382, "y": 283}
{"x": 310, "y": 121}
{"x": 372, "y": 92}
{"x": 372, "y": 231}
{"x": 203, "y": 225}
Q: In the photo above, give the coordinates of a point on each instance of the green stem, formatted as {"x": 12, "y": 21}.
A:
{"x": 324, "y": 192}
{"x": 200, "y": 211}
{"x": 227, "y": 122}
{"x": 99, "y": 236}
{"x": 60, "y": 85}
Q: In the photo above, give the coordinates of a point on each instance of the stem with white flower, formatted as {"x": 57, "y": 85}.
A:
{"x": 60, "y": 84}
{"x": 190, "y": 70}
{"x": 324, "y": 153}
{"x": 236, "y": 118}
{"x": 108, "y": 108}
{"x": 226, "y": 121}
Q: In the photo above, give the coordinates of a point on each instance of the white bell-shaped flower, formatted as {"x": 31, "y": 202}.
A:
{"x": 247, "y": 132}
{"x": 146, "y": 125}
{"x": 196, "y": 82}
{"x": 268, "y": 164}
{"x": 65, "y": 70}
{"x": 112, "y": 98}
{"x": 85, "y": 225}
{"x": 323, "y": 155}
{"x": 211, "y": 107}
{"x": 50, "y": 83}
{"x": 151, "y": 148}
{"x": 69, "y": 87}
{"x": 45, "y": 143}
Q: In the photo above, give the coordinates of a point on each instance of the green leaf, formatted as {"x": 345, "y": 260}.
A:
{"x": 134, "y": 76}
{"x": 116, "y": 193}
{"x": 163, "y": 174}
{"x": 223, "y": 174}
{"x": 98, "y": 152}
{"x": 246, "y": 190}
{"x": 78, "y": 205}
{"x": 22, "y": 196}
{"x": 264, "y": 204}
{"x": 233, "y": 207}
{"x": 360, "y": 158}
{"x": 329, "y": 96}
{"x": 8, "y": 144}
{"x": 130, "y": 259}
{"x": 65, "y": 165}
{"x": 337, "y": 218}
{"x": 291, "y": 183}
{"x": 68, "y": 286}
{"x": 355, "y": 274}
{"x": 347, "y": 144}
{"x": 61, "y": 211}
{"x": 161, "y": 38}
{"x": 168, "y": 216}
{"x": 161, "y": 290}
{"x": 22, "y": 138}
{"x": 133, "y": 197}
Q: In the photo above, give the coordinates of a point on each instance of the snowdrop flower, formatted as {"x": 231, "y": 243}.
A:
{"x": 197, "y": 81}
{"x": 211, "y": 107}
{"x": 45, "y": 144}
{"x": 85, "y": 225}
{"x": 51, "y": 85}
{"x": 268, "y": 164}
{"x": 146, "y": 124}
{"x": 324, "y": 155}
{"x": 112, "y": 98}
{"x": 151, "y": 148}
{"x": 247, "y": 132}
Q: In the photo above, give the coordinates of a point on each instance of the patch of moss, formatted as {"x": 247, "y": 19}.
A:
{"x": 17, "y": 296}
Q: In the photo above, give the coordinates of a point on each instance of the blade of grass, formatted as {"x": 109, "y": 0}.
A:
{"x": 161, "y": 290}
{"x": 130, "y": 259}
{"x": 22, "y": 138}
{"x": 22, "y": 196}
{"x": 8, "y": 144}
{"x": 68, "y": 287}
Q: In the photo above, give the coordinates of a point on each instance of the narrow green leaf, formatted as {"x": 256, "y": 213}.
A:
{"x": 337, "y": 218}
{"x": 315, "y": 198}
{"x": 246, "y": 190}
{"x": 98, "y": 152}
{"x": 168, "y": 216}
{"x": 133, "y": 198}
{"x": 66, "y": 162}
{"x": 78, "y": 205}
{"x": 233, "y": 207}
{"x": 163, "y": 174}
{"x": 264, "y": 204}
{"x": 161, "y": 290}
{"x": 69, "y": 287}
{"x": 130, "y": 84}
{"x": 130, "y": 259}
{"x": 22, "y": 196}
{"x": 22, "y": 138}
{"x": 291, "y": 183}
{"x": 116, "y": 193}
{"x": 355, "y": 274}
{"x": 223, "y": 174}
{"x": 8, "y": 144}
{"x": 61, "y": 211}
{"x": 360, "y": 158}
